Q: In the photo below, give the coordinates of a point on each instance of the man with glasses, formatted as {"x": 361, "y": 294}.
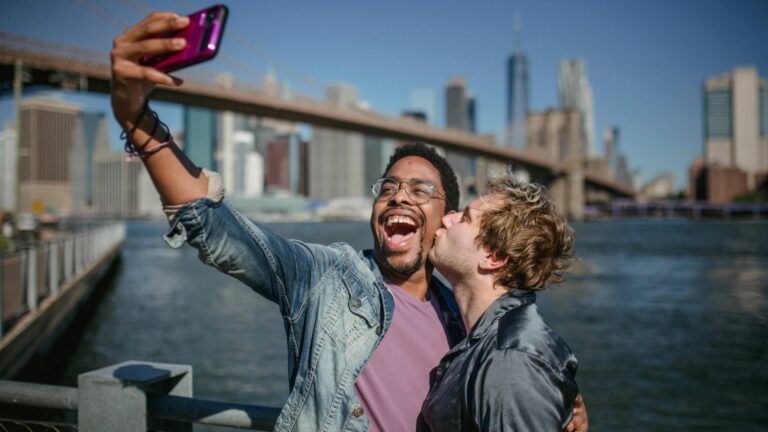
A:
{"x": 363, "y": 329}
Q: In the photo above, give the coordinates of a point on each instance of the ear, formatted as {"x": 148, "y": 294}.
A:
{"x": 491, "y": 262}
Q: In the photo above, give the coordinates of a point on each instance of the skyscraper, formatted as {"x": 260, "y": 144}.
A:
{"x": 456, "y": 105}
{"x": 576, "y": 92}
{"x": 460, "y": 115}
{"x": 471, "y": 114}
{"x": 611, "y": 145}
{"x": 8, "y": 168}
{"x": 200, "y": 136}
{"x": 115, "y": 182}
{"x": 377, "y": 153}
{"x": 517, "y": 100}
{"x": 247, "y": 165}
{"x": 736, "y": 122}
{"x": 337, "y": 158}
{"x": 90, "y": 132}
{"x": 46, "y": 136}
{"x": 287, "y": 165}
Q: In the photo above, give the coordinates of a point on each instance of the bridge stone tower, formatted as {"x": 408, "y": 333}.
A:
{"x": 558, "y": 136}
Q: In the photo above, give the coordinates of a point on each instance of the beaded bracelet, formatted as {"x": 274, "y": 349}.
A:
{"x": 133, "y": 150}
{"x": 126, "y": 135}
{"x": 155, "y": 149}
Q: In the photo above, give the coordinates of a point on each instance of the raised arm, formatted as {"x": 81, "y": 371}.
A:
{"x": 176, "y": 178}
{"x": 281, "y": 270}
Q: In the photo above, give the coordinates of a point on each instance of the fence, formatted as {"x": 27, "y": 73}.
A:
{"x": 695, "y": 210}
{"x": 30, "y": 275}
{"x": 134, "y": 397}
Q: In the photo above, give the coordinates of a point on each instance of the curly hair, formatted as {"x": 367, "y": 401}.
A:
{"x": 447, "y": 176}
{"x": 525, "y": 227}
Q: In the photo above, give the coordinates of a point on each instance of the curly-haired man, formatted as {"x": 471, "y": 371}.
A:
{"x": 512, "y": 372}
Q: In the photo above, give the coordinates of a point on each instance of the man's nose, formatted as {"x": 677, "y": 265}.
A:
{"x": 402, "y": 195}
{"x": 449, "y": 219}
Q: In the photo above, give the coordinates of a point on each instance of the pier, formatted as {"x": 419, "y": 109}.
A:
{"x": 44, "y": 286}
{"x": 42, "y": 290}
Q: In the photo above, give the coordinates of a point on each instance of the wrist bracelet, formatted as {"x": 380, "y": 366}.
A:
{"x": 140, "y": 149}
{"x": 126, "y": 135}
{"x": 155, "y": 149}
{"x": 133, "y": 150}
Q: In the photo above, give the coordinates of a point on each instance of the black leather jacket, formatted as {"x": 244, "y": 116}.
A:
{"x": 512, "y": 373}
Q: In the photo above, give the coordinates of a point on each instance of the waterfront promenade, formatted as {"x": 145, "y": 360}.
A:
{"x": 43, "y": 287}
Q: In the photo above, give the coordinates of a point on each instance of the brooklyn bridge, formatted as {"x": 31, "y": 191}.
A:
{"x": 29, "y": 62}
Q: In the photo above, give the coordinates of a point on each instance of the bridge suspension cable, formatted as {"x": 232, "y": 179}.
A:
{"x": 37, "y": 45}
{"x": 244, "y": 68}
{"x": 244, "y": 42}
{"x": 139, "y": 6}
{"x": 101, "y": 13}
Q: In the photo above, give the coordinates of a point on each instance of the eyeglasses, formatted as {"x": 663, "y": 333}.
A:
{"x": 419, "y": 191}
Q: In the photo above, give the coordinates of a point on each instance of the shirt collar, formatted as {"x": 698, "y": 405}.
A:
{"x": 437, "y": 287}
{"x": 512, "y": 299}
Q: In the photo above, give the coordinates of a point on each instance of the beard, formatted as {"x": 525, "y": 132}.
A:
{"x": 405, "y": 269}
{"x": 383, "y": 255}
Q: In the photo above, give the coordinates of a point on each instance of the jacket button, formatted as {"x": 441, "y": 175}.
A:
{"x": 356, "y": 303}
{"x": 358, "y": 411}
{"x": 378, "y": 330}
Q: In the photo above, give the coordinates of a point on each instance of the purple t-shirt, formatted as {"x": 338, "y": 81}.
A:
{"x": 395, "y": 381}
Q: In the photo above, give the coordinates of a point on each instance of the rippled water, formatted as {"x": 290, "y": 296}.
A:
{"x": 668, "y": 319}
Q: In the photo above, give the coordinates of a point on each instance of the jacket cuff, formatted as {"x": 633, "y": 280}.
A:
{"x": 179, "y": 214}
{"x": 215, "y": 194}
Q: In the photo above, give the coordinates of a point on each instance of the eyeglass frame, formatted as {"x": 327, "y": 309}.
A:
{"x": 406, "y": 184}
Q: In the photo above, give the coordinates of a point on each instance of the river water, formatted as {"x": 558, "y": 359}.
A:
{"x": 669, "y": 320}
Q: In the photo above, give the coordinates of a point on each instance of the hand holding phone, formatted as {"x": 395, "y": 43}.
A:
{"x": 203, "y": 36}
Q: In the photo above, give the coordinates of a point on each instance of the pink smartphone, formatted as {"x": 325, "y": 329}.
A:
{"x": 203, "y": 35}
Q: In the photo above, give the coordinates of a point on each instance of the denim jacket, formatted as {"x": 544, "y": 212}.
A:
{"x": 335, "y": 307}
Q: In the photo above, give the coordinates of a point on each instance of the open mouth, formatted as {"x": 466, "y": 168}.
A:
{"x": 399, "y": 230}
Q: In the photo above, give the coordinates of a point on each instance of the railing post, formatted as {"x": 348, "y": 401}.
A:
{"x": 68, "y": 258}
{"x": 2, "y": 292}
{"x": 78, "y": 252}
{"x": 31, "y": 279}
{"x": 53, "y": 267}
{"x": 115, "y": 398}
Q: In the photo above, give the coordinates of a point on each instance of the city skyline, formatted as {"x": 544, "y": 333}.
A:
{"x": 647, "y": 62}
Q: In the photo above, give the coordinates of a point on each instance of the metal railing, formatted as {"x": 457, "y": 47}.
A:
{"x": 136, "y": 396}
{"x": 29, "y": 275}
{"x": 690, "y": 209}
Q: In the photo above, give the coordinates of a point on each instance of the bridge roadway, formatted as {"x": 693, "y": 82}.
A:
{"x": 50, "y": 64}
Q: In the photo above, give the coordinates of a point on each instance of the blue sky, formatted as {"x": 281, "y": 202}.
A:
{"x": 646, "y": 60}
